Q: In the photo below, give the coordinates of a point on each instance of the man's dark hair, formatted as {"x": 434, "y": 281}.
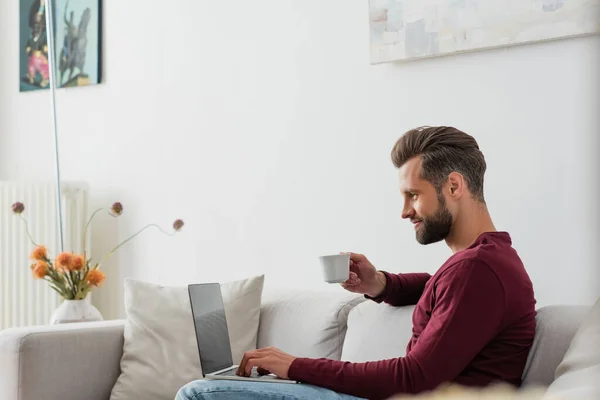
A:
{"x": 443, "y": 149}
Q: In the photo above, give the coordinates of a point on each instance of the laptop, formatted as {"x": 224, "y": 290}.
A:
{"x": 212, "y": 336}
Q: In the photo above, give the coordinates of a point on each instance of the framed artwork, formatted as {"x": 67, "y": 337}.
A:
{"x": 77, "y": 31}
{"x": 412, "y": 29}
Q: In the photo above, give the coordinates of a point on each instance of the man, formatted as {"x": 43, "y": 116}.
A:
{"x": 474, "y": 320}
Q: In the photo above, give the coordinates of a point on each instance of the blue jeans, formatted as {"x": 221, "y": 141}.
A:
{"x": 240, "y": 390}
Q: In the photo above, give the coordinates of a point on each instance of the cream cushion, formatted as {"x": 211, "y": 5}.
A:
{"x": 160, "y": 351}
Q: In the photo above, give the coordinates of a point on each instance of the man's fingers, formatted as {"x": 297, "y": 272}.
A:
{"x": 247, "y": 356}
{"x": 349, "y": 285}
{"x": 357, "y": 257}
{"x": 352, "y": 280}
{"x": 240, "y": 370}
{"x": 262, "y": 371}
{"x": 250, "y": 360}
{"x": 254, "y": 362}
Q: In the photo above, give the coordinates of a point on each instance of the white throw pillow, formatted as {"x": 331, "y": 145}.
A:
{"x": 578, "y": 375}
{"x": 364, "y": 343}
{"x": 160, "y": 352}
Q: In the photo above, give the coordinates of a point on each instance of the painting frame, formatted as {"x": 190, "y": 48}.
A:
{"x": 406, "y": 30}
{"x": 77, "y": 26}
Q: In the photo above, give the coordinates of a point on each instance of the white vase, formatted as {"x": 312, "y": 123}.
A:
{"x": 75, "y": 311}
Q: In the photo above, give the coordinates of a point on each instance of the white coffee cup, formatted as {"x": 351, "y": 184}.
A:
{"x": 335, "y": 267}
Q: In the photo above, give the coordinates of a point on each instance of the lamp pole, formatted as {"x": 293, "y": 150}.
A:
{"x": 49, "y": 11}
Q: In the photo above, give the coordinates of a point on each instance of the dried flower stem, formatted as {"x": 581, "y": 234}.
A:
{"x": 27, "y": 229}
{"x": 69, "y": 274}
{"x": 131, "y": 237}
{"x": 85, "y": 232}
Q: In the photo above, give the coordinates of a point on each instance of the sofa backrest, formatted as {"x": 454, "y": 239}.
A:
{"x": 378, "y": 331}
{"x": 304, "y": 323}
{"x": 343, "y": 326}
{"x": 555, "y": 328}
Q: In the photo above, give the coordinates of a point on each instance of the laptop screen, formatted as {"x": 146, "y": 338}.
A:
{"x": 211, "y": 327}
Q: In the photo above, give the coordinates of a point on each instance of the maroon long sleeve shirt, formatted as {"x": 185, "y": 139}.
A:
{"x": 473, "y": 324}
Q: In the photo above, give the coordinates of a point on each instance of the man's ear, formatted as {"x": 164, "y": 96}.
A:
{"x": 456, "y": 185}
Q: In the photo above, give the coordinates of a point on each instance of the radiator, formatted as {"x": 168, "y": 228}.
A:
{"x": 24, "y": 300}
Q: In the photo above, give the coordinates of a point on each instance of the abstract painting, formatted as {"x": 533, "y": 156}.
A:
{"x": 412, "y": 29}
{"x": 77, "y": 43}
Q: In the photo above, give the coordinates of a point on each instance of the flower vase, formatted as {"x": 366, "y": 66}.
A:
{"x": 75, "y": 311}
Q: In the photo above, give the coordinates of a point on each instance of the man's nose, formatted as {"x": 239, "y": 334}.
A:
{"x": 407, "y": 212}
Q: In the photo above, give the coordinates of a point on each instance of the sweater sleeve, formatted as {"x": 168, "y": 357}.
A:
{"x": 467, "y": 314}
{"x": 402, "y": 289}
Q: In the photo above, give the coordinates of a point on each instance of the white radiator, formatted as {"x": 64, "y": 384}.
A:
{"x": 24, "y": 300}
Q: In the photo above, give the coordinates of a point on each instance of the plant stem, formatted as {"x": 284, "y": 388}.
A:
{"x": 85, "y": 232}
{"x": 52, "y": 285}
{"x": 131, "y": 237}
{"x": 71, "y": 285}
{"x": 27, "y": 229}
{"x": 55, "y": 275}
{"x": 63, "y": 280}
{"x": 82, "y": 294}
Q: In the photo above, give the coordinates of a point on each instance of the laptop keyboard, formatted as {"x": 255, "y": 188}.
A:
{"x": 232, "y": 372}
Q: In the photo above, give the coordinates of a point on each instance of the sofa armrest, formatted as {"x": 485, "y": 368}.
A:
{"x": 61, "y": 362}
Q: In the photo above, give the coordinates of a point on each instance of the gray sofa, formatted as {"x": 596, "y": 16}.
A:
{"x": 81, "y": 361}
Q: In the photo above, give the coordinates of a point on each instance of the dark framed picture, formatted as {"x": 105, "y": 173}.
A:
{"x": 77, "y": 31}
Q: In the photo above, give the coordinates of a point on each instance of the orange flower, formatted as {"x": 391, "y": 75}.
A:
{"x": 95, "y": 277}
{"x": 40, "y": 269}
{"x": 78, "y": 262}
{"x": 39, "y": 253}
{"x": 64, "y": 262}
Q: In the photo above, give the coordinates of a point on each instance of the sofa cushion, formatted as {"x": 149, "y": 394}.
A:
{"x": 160, "y": 352}
{"x": 377, "y": 332}
{"x": 578, "y": 375}
{"x": 304, "y": 323}
{"x": 555, "y": 328}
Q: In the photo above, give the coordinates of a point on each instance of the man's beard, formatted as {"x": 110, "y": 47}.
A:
{"x": 436, "y": 227}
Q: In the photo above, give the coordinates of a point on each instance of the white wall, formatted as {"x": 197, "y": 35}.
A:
{"x": 263, "y": 126}
{"x": 26, "y": 143}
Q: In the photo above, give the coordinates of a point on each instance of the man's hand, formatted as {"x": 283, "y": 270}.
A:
{"x": 268, "y": 361}
{"x": 364, "y": 277}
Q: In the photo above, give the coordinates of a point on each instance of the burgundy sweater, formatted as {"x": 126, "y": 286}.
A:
{"x": 473, "y": 324}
